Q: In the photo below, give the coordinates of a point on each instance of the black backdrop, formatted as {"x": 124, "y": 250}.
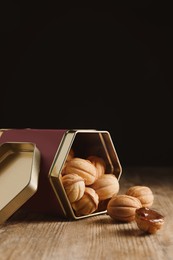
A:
{"x": 108, "y": 69}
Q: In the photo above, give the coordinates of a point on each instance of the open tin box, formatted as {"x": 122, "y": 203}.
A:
{"x": 34, "y": 184}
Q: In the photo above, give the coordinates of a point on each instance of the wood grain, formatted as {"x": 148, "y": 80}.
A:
{"x": 25, "y": 237}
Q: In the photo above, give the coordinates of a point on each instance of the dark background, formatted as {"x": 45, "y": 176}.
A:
{"x": 102, "y": 68}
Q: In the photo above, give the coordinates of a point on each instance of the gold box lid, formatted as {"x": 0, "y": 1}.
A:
{"x": 19, "y": 173}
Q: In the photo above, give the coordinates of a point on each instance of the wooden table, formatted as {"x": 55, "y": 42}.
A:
{"x": 25, "y": 237}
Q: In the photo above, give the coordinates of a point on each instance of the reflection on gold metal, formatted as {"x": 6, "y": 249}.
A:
{"x": 19, "y": 172}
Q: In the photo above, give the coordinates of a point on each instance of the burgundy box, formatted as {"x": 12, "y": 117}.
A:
{"x": 54, "y": 146}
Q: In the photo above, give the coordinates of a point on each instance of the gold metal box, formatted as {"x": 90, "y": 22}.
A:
{"x": 84, "y": 143}
{"x": 54, "y": 146}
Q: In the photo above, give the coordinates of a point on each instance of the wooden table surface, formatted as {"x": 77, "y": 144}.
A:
{"x": 25, "y": 237}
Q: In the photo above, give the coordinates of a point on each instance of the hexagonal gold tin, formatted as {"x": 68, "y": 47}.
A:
{"x": 19, "y": 172}
{"x": 54, "y": 146}
{"x": 83, "y": 143}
